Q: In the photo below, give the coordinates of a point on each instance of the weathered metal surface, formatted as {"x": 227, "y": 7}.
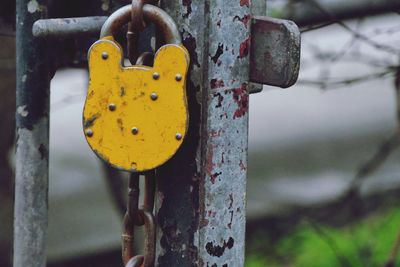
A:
{"x": 275, "y": 52}
{"x": 201, "y": 207}
{"x": 68, "y": 27}
{"x": 135, "y": 118}
{"x": 32, "y": 119}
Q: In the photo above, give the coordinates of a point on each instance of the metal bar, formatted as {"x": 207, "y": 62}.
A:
{"x": 201, "y": 192}
{"x": 68, "y": 27}
{"x": 305, "y": 13}
{"x": 32, "y": 119}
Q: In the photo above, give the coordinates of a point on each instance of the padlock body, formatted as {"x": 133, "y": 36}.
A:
{"x": 135, "y": 118}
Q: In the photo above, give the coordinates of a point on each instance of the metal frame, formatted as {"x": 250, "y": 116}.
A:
{"x": 201, "y": 191}
{"x": 32, "y": 146}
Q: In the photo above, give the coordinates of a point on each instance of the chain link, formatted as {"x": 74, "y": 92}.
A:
{"x": 136, "y": 25}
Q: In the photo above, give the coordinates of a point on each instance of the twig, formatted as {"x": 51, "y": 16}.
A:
{"x": 340, "y": 83}
{"x": 355, "y": 33}
{"x": 343, "y": 261}
{"x": 393, "y": 253}
{"x": 383, "y": 151}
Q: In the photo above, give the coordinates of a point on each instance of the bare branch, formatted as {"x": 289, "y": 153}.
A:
{"x": 356, "y": 34}
{"x": 345, "y": 82}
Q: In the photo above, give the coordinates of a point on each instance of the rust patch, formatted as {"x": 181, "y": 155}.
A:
{"x": 241, "y": 97}
{"x": 212, "y": 213}
{"x": 203, "y": 223}
{"x": 209, "y": 160}
{"x": 244, "y": 48}
{"x": 122, "y": 91}
{"x": 216, "y": 83}
{"x": 215, "y": 133}
{"x": 120, "y": 124}
{"x": 245, "y": 3}
{"x": 242, "y": 165}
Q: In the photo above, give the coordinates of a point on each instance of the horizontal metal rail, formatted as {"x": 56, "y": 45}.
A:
{"x": 68, "y": 27}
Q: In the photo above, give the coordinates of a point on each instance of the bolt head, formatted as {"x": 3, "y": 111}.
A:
{"x": 104, "y": 55}
{"x": 135, "y": 130}
{"x": 89, "y": 132}
{"x": 156, "y": 75}
{"x": 153, "y": 96}
{"x": 178, "y": 136}
{"x": 112, "y": 107}
{"x": 178, "y": 77}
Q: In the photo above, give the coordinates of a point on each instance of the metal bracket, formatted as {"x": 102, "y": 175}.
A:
{"x": 274, "y": 52}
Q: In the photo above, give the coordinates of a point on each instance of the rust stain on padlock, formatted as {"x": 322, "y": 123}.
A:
{"x": 135, "y": 118}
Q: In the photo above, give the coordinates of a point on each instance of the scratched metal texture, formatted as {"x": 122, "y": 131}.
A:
{"x": 202, "y": 191}
{"x": 32, "y": 120}
{"x": 275, "y": 51}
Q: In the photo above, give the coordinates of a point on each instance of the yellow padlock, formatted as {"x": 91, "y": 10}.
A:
{"x": 135, "y": 118}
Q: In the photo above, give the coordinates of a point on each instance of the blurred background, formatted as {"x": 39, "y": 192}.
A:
{"x": 324, "y": 172}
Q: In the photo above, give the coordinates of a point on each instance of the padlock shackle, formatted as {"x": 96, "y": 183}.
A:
{"x": 164, "y": 23}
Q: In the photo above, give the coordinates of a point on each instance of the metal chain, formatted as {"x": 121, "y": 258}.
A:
{"x": 142, "y": 216}
{"x": 134, "y": 215}
{"x": 136, "y": 25}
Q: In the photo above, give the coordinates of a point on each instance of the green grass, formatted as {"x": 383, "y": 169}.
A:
{"x": 366, "y": 243}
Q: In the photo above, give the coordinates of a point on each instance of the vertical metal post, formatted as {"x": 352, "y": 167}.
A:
{"x": 201, "y": 191}
{"x": 32, "y": 119}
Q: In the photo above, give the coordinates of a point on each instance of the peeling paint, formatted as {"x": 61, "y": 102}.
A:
{"x": 241, "y": 97}
{"x": 245, "y": 3}
{"x": 218, "y": 53}
{"x": 22, "y": 110}
{"x": 217, "y": 250}
{"x": 33, "y": 6}
{"x": 188, "y": 5}
{"x": 244, "y": 48}
{"x": 217, "y": 83}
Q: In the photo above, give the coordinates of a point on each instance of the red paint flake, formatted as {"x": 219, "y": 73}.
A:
{"x": 244, "y": 48}
{"x": 241, "y": 98}
{"x": 216, "y": 83}
{"x": 215, "y": 133}
{"x": 209, "y": 161}
{"x": 242, "y": 166}
{"x": 245, "y": 3}
{"x": 211, "y": 213}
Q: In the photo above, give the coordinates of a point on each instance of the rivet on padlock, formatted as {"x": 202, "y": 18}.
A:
{"x": 135, "y": 118}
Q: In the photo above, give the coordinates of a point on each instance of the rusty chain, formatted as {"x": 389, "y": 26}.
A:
{"x": 135, "y": 216}
{"x": 142, "y": 216}
{"x": 136, "y": 25}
